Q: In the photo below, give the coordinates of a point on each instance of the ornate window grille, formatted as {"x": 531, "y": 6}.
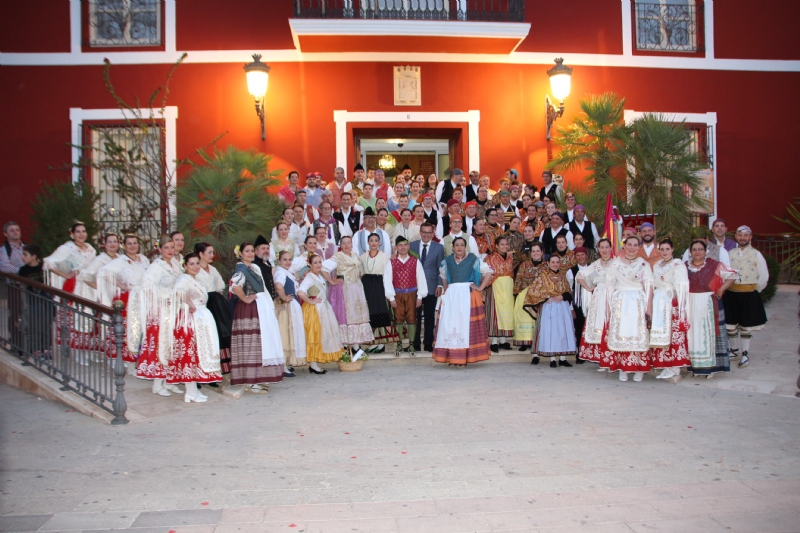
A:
{"x": 130, "y": 197}
{"x": 124, "y": 22}
{"x": 667, "y": 25}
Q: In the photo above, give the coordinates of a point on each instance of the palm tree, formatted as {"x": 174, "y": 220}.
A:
{"x": 225, "y": 201}
{"x": 592, "y": 144}
{"x": 662, "y": 174}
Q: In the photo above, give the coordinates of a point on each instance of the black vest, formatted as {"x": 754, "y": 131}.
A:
{"x": 446, "y": 226}
{"x": 551, "y": 194}
{"x": 266, "y": 272}
{"x": 575, "y": 287}
{"x": 433, "y": 218}
{"x": 353, "y": 219}
{"x": 447, "y": 191}
{"x": 549, "y": 242}
{"x": 472, "y": 194}
{"x": 588, "y": 235}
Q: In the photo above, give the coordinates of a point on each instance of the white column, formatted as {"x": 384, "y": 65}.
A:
{"x": 627, "y": 30}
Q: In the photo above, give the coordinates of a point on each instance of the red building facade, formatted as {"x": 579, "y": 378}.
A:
{"x": 483, "y": 83}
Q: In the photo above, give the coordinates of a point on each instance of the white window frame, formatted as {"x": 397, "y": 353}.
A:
{"x": 78, "y": 116}
{"x": 95, "y": 41}
{"x": 692, "y": 47}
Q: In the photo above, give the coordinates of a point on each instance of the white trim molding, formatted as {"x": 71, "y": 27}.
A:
{"x": 343, "y": 117}
{"x": 78, "y": 116}
{"x": 709, "y": 119}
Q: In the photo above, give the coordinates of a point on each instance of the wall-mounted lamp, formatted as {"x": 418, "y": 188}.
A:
{"x": 257, "y": 78}
{"x": 560, "y": 76}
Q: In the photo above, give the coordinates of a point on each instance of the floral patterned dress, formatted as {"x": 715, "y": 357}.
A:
{"x": 668, "y": 340}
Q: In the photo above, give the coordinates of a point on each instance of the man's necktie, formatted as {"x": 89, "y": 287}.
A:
{"x": 424, "y": 253}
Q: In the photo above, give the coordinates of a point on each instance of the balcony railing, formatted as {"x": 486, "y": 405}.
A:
{"x": 472, "y": 10}
{"x": 667, "y": 25}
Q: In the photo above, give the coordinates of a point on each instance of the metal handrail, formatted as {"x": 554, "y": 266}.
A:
{"x": 785, "y": 248}
{"x": 39, "y": 324}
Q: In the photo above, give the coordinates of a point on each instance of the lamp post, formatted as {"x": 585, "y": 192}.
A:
{"x": 257, "y": 78}
{"x": 560, "y": 81}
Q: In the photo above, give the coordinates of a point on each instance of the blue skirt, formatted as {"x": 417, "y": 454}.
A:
{"x": 556, "y": 330}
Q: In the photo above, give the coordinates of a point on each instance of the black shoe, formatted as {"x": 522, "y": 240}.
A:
{"x": 553, "y": 363}
{"x": 523, "y": 348}
{"x": 535, "y": 360}
{"x": 291, "y": 369}
{"x": 495, "y": 348}
{"x": 214, "y": 385}
{"x": 417, "y": 348}
{"x": 505, "y": 346}
{"x": 382, "y": 349}
{"x": 428, "y": 348}
{"x": 288, "y": 374}
{"x": 323, "y": 371}
{"x": 579, "y": 361}
{"x": 563, "y": 363}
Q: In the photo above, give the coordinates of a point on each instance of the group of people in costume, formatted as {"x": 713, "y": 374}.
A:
{"x": 448, "y": 278}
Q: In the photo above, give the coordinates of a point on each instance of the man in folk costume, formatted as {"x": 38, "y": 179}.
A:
{"x": 358, "y": 177}
{"x": 720, "y": 230}
{"x": 313, "y": 193}
{"x": 470, "y": 212}
{"x": 744, "y": 310}
{"x": 444, "y": 191}
{"x": 649, "y": 250}
{"x": 348, "y": 215}
{"x": 443, "y": 226}
{"x": 262, "y": 260}
{"x": 588, "y": 229}
{"x": 579, "y": 319}
{"x": 338, "y": 186}
{"x": 310, "y": 212}
{"x": 506, "y": 208}
{"x": 406, "y": 173}
{"x": 335, "y": 229}
{"x": 456, "y": 223}
{"x": 550, "y": 189}
{"x": 556, "y": 228}
{"x": 471, "y": 192}
{"x": 382, "y": 189}
{"x": 569, "y": 199}
{"x": 361, "y": 238}
{"x": 405, "y": 286}
{"x": 713, "y": 250}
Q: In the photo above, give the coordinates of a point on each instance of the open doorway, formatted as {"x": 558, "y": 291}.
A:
{"x": 424, "y": 156}
{"x": 425, "y": 150}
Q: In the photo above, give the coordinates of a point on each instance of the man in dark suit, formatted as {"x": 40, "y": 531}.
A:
{"x": 431, "y": 255}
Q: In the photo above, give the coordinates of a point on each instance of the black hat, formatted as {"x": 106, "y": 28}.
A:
{"x": 260, "y": 240}
{"x": 368, "y": 212}
{"x": 400, "y": 239}
{"x": 406, "y": 167}
{"x": 358, "y": 167}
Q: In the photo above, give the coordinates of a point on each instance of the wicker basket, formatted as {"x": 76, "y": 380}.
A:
{"x": 350, "y": 367}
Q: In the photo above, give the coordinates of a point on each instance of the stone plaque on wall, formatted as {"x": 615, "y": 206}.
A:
{"x": 407, "y": 86}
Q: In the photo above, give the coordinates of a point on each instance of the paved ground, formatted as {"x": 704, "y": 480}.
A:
{"x": 494, "y": 447}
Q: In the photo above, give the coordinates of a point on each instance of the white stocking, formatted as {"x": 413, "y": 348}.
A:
{"x": 315, "y": 366}
{"x": 158, "y": 384}
{"x": 745, "y": 343}
{"x": 191, "y": 389}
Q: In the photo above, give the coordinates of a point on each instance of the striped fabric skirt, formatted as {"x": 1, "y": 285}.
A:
{"x": 500, "y": 307}
{"x": 478, "y": 349}
{"x": 246, "y": 365}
